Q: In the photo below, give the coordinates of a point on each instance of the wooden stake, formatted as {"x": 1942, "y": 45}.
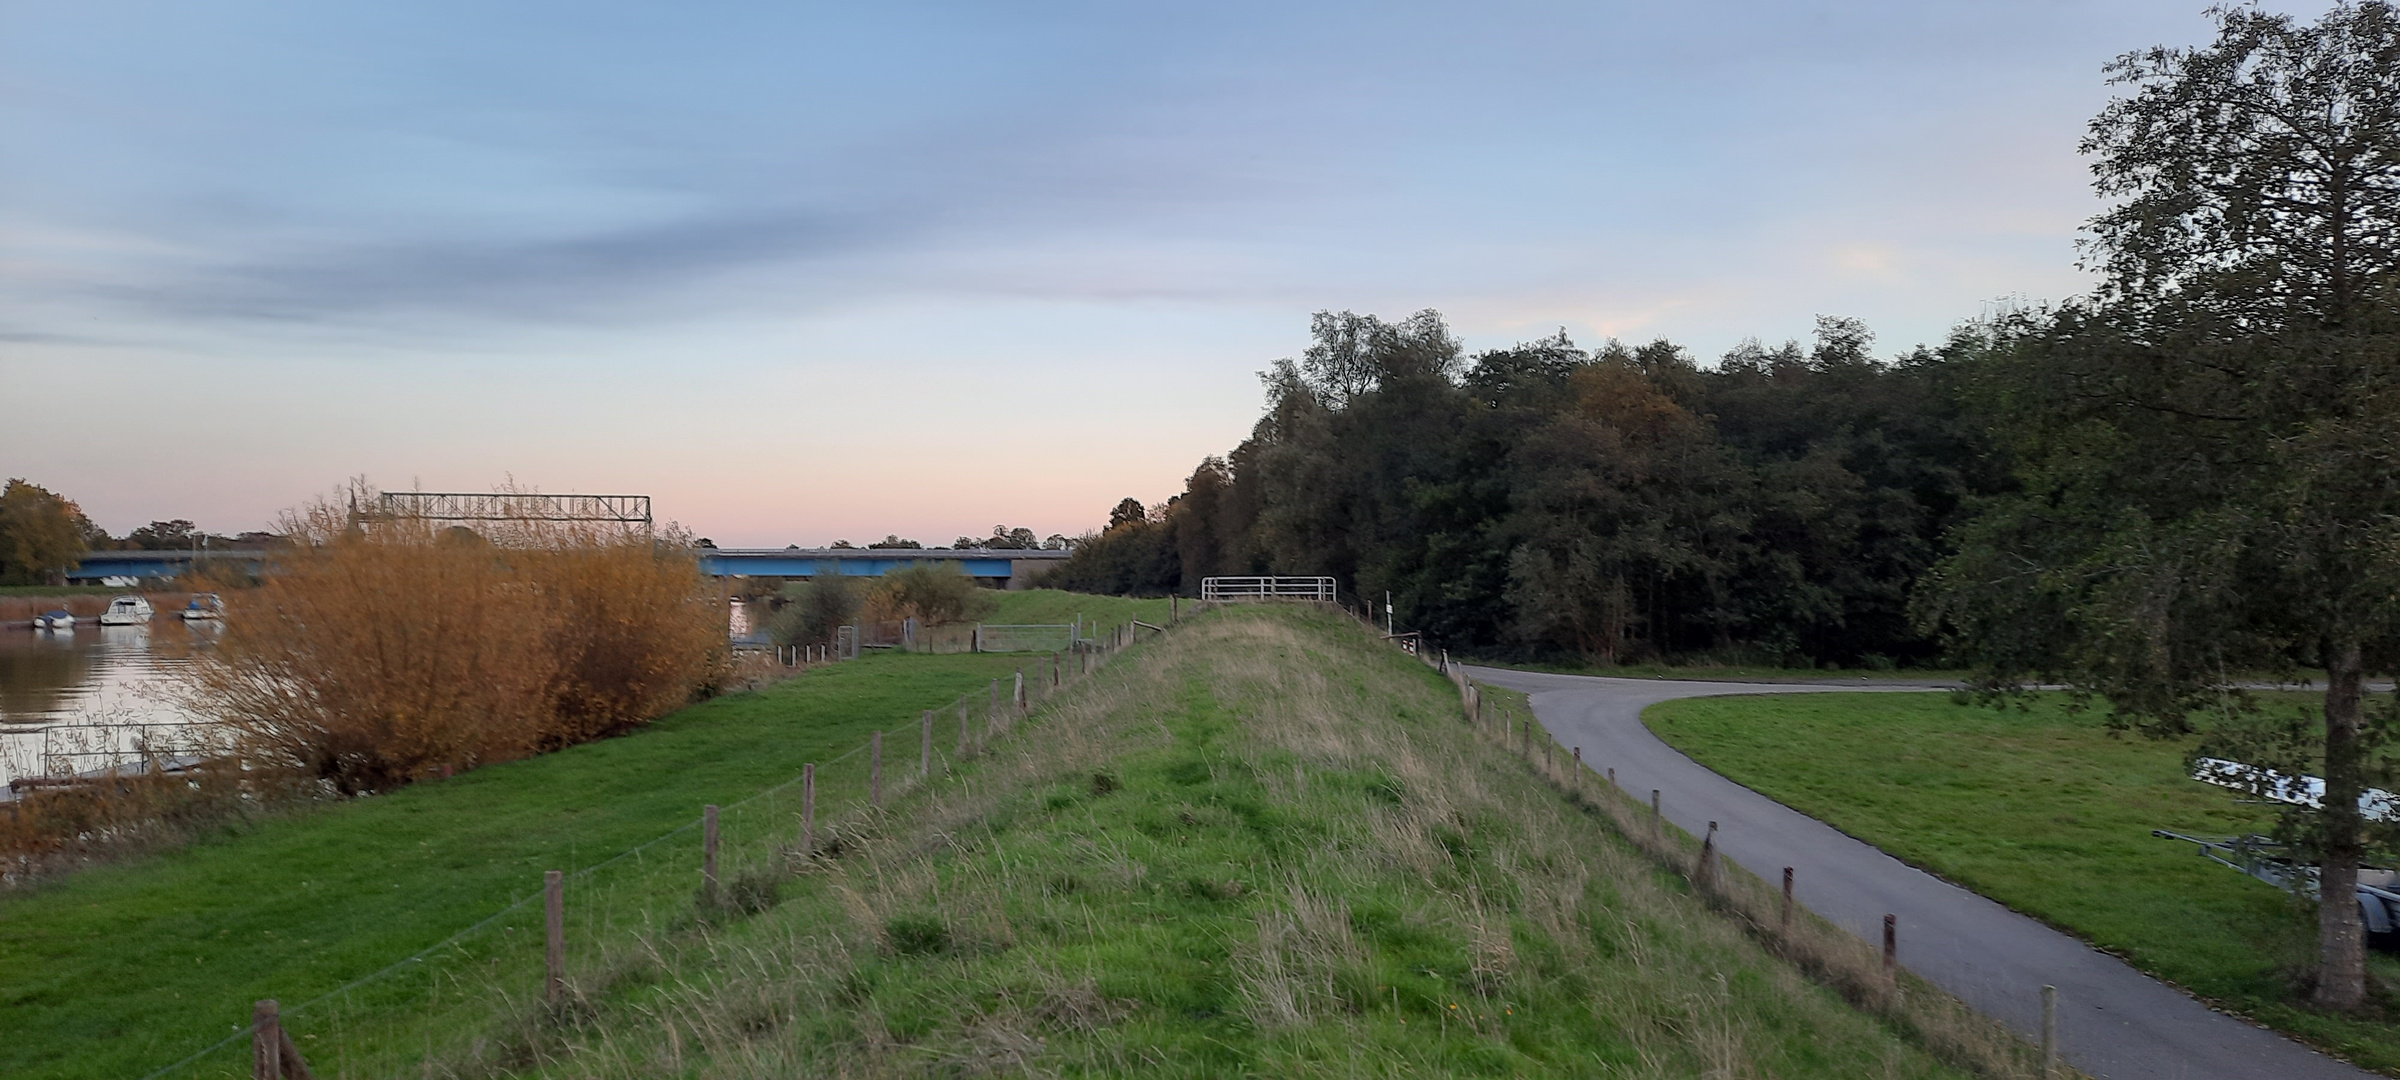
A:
{"x": 1891, "y": 949}
{"x": 808, "y": 810}
{"x": 708, "y": 852}
{"x": 1704, "y": 874}
{"x": 1787, "y": 901}
{"x": 925, "y": 748}
{"x": 2049, "y": 1032}
{"x": 962, "y": 731}
{"x": 554, "y": 925}
{"x": 266, "y": 1042}
{"x": 875, "y": 769}
{"x": 1612, "y": 776}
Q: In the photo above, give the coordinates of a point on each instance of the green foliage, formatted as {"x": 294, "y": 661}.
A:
{"x": 2046, "y": 810}
{"x": 813, "y": 610}
{"x": 931, "y": 593}
{"x": 42, "y": 536}
{"x": 1620, "y": 505}
{"x": 2204, "y": 452}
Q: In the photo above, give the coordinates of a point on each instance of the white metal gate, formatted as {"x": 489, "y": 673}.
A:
{"x": 1221, "y": 590}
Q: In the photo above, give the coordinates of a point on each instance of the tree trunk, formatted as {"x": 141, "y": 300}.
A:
{"x": 2341, "y": 937}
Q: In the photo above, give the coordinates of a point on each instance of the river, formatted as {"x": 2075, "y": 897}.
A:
{"x": 71, "y": 702}
{"x": 74, "y": 702}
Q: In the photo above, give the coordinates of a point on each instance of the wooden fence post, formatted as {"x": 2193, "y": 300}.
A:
{"x": 1656, "y": 828}
{"x": 925, "y": 749}
{"x": 1705, "y": 872}
{"x": 962, "y": 731}
{"x": 2049, "y": 1032}
{"x": 808, "y": 810}
{"x": 1891, "y": 949}
{"x": 266, "y": 1042}
{"x": 875, "y": 770}
{"x": 708, "y": 852}
{"x": 1612, "y": 776}
{"x": 1019, "y": 691}
{"x": 554, "y": 925}
{"x": 273, "y": 1055}
{"x": 1787, "y": 901}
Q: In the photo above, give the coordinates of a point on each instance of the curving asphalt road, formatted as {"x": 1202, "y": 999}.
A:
{"x": 2113, "y": 1022}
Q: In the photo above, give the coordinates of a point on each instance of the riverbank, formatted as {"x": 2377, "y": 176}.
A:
{"x": 117, "y": 970}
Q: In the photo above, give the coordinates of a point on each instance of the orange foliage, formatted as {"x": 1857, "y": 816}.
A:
{"x": 381, "y": 652}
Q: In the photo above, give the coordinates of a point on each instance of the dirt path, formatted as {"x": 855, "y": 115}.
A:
{"x": 2113, "y": 1021}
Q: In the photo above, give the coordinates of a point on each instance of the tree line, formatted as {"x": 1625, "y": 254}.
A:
{"x": 1617, "y": 504}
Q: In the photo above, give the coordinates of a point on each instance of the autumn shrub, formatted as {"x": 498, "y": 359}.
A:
{"x": 931, "y": 593}
{"x": 382, "y": 651}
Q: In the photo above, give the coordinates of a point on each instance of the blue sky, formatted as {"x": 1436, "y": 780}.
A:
{"x": 805, "y": 272}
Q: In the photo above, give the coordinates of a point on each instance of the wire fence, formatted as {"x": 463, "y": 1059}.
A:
{"x": 438, "y": 996}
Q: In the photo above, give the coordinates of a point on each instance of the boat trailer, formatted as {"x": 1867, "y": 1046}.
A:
{"x": 2270, "y": 861}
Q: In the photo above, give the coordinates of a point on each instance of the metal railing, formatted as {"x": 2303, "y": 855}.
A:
{"x": 1227, "y": 590}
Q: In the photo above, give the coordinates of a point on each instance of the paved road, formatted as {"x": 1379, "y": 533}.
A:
{"x": 2113, "y": 1021}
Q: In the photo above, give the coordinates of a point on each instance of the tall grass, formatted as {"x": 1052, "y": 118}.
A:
{"x": 387, "y": 650}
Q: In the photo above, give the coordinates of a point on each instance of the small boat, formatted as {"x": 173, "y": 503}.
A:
{"x": 207, "y": 605}
{"x": 59, "y": 619}
{"x": 126, "y": 611}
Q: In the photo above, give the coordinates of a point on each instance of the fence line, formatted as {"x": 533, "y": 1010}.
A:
{"x": 1022, "y": 699}
{"x": 1869, "y": 977}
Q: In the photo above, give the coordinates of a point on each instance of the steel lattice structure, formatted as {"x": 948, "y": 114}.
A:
{"x": 517, "y": 506}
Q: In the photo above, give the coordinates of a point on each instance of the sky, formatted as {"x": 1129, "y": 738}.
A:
{"x": 806, "y": 272}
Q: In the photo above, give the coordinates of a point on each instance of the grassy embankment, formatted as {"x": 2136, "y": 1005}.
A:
{"x": 117, "y": 970}
{"x": 1263, "y": 844}
{"x": 1054, "y": 606}
{"x": 2045, "y": 811}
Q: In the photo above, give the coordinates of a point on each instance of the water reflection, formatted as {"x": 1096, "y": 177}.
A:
{"x": 75, "y": 700}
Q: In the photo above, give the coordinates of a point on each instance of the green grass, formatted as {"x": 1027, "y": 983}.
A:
{"x": 116, "y": 970}
{"x": 2047, "y": 812}
{"x": 1265, "y": 845}
{"x": 1054, "y": 606}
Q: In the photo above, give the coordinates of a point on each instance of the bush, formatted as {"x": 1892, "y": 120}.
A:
{"x": 814, "y": 609}
{"x": 931, "y": 593}
{"x": 382, "y": 652}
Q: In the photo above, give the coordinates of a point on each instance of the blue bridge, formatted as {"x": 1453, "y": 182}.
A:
{"x": 1004, "y": 568}
{"x": 999, "y": 567}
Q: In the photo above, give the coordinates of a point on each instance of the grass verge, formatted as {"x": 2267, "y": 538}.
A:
{"x": 118, "y": 969}
{"x": 2047, "y": 812}
{"x": 1263, "y": 845}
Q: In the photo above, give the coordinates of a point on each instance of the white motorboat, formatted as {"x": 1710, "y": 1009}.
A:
{"x": 207, "y": 605}
{"x": 58, "y": 619}
{"x": 126, "y": 611}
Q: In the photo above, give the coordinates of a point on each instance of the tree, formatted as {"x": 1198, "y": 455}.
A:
{"x": 892, "y": 541}
{"x": 176, "y": 535}
{"x": 2209, "y": 449}
{"x": 42, "y": 536}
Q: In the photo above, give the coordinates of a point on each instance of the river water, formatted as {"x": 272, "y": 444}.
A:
{"x": 72, "y": 702}
{"x": 92, "y": 698}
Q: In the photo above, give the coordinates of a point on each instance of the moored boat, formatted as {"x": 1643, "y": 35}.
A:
{"x": 126, "y": 611}
{"x": 207, "y": 605}
{"x": 55, "y": 619}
